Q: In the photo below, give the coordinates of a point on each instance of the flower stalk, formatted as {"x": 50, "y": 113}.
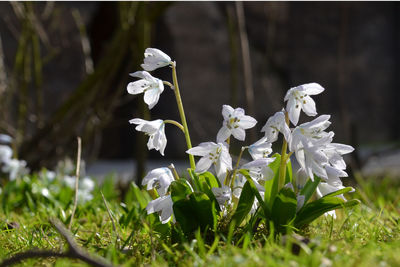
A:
{"x": 182, "y": 114}
{"x": 284, "y": 157}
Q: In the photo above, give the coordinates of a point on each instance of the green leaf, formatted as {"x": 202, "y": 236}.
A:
{"x": 256, "y": 193}
{"x": 284, "y": 209}
{"x": 314, "y": 209}
{"x": 309, "y": 188}
{"x": 210, "y": 178}
{"x": 196, "y": 211}
{"x": 271, "y": 186}
{"x": 246, "y": 201}
{"x": 339, "y": 192}
{"x": 179, "y": 190}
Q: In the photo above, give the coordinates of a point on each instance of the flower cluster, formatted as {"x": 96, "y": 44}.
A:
{"x": 259, "y": 181}
{"x": 9, "y": 165}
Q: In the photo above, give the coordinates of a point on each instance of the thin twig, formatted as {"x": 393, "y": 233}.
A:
{"x": 111, "y": 218}
{"x": 74, "y": 251}
{"x": 78, "y": 167}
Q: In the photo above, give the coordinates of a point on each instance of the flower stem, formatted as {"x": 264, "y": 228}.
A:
{"x": 237, "y": 166}
{"x": 284, "y": 157}
{"x": 182, "y": 114}
{"x": 177, "y": 124}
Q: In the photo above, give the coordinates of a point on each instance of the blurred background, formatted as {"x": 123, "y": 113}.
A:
{"x": 64, "y": 67}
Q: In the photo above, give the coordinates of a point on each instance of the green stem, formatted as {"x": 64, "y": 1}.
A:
{"x": 284, "y": 157}
{"x": 182, "y": 114}
{"x": 177, "y": 124}
{"x": 237, "y": 166}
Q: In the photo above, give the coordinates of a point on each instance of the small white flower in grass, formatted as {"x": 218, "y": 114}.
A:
{"x": 299, "y": 99}
{"x": 149, "y": 85}
{"x": 163, "y": 206}
{"x": 154, "y": 59}
{"x": 212, "y": 153}
{"x": 274, "y": 125}
{"x": 15, "y": 168}
{"x": 260, "y": 149}
{"x": 5, "y": 153}
{"x": 160, "y": 179}
{"x": 155, "y": 131}
{"x": 235, "y": 123}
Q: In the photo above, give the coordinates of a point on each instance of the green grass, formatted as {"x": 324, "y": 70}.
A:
{"x": 367, "y": 235}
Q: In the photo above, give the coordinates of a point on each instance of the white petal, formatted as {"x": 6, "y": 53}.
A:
{"x": 226, "y": 111}
{"x": 152, "y": 96}
{"x": 223, "y": 134}
{"x": 342, "y": 148}
{"x": 202, "y": 149}
{"x": 293, "y": 109}
{"x": 137, "y": 87}
{"x": 247, "y": 122}
{"x": 308, "y": 106}
{"x": 203, "y": 164}
{"x": 312, "y": 88}
{"x": 239, "y": 134}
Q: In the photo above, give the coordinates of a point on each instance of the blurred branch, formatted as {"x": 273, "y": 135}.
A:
{"x": 73, "y": 252}
{"x": 247, "y": 72}
{"x": 233, "y": 38}
{"x": 84, "y": 41}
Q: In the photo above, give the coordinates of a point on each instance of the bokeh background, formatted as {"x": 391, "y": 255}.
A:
{"x": 64, "y": 69}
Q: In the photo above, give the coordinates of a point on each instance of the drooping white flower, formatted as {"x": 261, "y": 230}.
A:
{"x": 154, "y": 59}
{"x": 274, "y": 125}
{"x": 235, "y": 123}
{"x": 5, "y": 153}
{"x": 260, "y": 149}
{"x": 155, "y": 131}
{"x": 160, "y": 179}
{"x": 334, "y": 152}
{"x": 162, "y": 205}
{"x": 149, "y": 85}
{"x": 259, "y": 170}
{"x": 312, "y": 160}
{"x": 299, "y": 99}
{"x": 223, "y": 195}
{"x": 212, "y": 153}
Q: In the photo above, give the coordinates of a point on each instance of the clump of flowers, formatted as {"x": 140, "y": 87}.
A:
{"x": 245, "y": 195}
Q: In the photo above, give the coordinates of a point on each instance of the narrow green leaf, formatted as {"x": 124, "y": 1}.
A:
{"x": 314, "y": 209}
{"x": 256, "y": 193}
{"x": 140, "y": 196}
{"x": 211, "y": 179}
{"x": 271, "y": 186}
{"x": 309, "y": 188}
{"x": 289, "y": 172}
{"x": 246, "y": 201}
{"x": 339, "y": 192}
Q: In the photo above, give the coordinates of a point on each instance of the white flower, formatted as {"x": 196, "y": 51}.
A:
{"x": 15, "y": 168}
{"x": 299, "y": 99}
{"x": 159, "y": 179}
{"x": 274, "y": 125}
{"x": 334, "y": 152}
{"x": 312, "y": 160}
{"x": 235, "y": 123}
{"x": 223, "y": 195}
{"x": 259, "y": 170}
{"x": 155, "y": 131}
{"x": 5, "y": 153}
{"x": 260, "y": 149}
{"x": 310, "y": 132}
{"x": 154, "y": 59}
{"x": 212, "y": 153}
{"x": 86, "y": 184}
{"x": 151, "y": 86}
{"x": 162, "y": 205}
